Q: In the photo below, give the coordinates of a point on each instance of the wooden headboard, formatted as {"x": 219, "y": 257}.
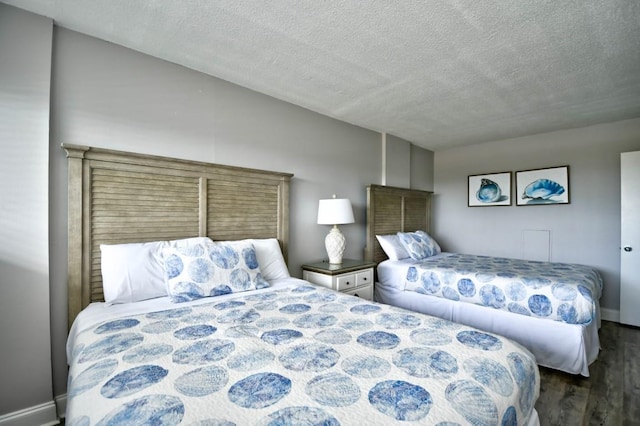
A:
{"x": 391, "y": 210}
{"x": 119, "y": 197}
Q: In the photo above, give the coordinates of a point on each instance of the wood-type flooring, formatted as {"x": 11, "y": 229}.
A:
{"x": 609, "y": 397}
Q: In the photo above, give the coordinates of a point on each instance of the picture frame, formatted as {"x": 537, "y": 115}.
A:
{"x": 542, "y": 186}
{"x": 489, "y": 190}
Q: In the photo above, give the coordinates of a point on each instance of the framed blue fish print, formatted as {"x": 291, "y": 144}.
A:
{"x": 542, "y": 186}
{"x": 492, "y": 189}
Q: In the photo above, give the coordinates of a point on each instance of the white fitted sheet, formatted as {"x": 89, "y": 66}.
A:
{"x": 566, "y": 347}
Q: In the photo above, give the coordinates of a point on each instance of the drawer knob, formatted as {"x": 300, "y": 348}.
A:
{"x": 356, "y": 295}
{"x": 364, "y": 279}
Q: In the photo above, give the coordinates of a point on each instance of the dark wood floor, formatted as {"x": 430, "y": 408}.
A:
{"x": 611, "y": 396}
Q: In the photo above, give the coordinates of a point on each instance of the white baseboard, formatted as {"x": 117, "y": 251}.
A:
{"x": 610, "y": 314}
{"x": 61, "y": 405}
{"x": 43, "y": 415}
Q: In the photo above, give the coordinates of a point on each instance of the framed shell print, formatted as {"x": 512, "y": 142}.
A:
{"x": 492, "y": 189}
{"x": 542, "y": 186}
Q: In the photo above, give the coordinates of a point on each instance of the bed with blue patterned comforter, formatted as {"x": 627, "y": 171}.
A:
{"x": 296, "y": 354}
{"x": 563, "y": 292}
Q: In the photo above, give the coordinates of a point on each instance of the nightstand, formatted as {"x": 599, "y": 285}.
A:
{"x": 354, "y": 277}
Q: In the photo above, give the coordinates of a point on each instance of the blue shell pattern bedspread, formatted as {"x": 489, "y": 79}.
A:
{"x": 298, "y": 355}
{"x": 556, "y": 291}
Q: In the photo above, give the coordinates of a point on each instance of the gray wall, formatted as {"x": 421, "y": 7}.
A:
{"x": 406, "y": 165}
{"x": 421, "y": 166}
{"x": 25, "y": 370}
{"x": 396, "y": 161}
{"x": 585, "y": 231}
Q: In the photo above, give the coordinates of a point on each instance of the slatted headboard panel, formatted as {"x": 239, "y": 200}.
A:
{"x": 391, "y": 210}
{"x": 118, "y": 197}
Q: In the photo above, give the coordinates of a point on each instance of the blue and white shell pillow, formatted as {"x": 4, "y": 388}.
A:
{"x": 211, "y": 269}
{"x": 419, "y": 244}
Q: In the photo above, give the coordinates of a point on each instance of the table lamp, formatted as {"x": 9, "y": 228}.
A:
{"x": 335, "y": 211}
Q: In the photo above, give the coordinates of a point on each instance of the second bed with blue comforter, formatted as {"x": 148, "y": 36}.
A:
{"x": 557, "y": 291}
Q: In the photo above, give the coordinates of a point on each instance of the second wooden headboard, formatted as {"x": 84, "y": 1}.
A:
{"x": 119, "y": 197}
{"x": 391, "y": 210}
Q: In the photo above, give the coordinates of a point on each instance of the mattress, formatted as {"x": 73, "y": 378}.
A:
{"x": 293, "y": 353}
{"x": 562, "y": 292}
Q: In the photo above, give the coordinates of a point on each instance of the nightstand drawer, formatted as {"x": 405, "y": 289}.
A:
{"x": 351, "y": 276}
{"x": 346, "y": 282}
{"x": 364, "y": 277}
{"x": 362, "y": 292}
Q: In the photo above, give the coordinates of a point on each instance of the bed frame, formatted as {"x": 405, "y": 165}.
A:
{"x": 391, "y": 210}
{"x": 119, "y": 197}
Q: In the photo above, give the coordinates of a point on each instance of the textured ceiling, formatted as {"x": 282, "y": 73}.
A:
{"x": 438, "y": 73}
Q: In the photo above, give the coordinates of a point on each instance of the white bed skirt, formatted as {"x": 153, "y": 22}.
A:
{"x": 534, "y": 420}
{"x": 566, "y": 347}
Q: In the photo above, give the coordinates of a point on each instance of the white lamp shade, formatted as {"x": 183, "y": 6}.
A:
{"x": 335, "y": 211}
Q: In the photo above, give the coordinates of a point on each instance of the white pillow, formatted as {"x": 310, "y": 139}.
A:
{"x": 270, "y": 258}
{"x": 134, "y": 272}
{"x": 392, "y": 247}
{"x": 211, "y": 269}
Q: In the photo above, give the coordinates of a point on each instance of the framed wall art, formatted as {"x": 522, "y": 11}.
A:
{"x": 542, "y": 186}
{"x": 493, "y": 189}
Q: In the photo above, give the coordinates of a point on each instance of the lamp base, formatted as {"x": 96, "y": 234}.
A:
{"x": 335, "y": 243}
